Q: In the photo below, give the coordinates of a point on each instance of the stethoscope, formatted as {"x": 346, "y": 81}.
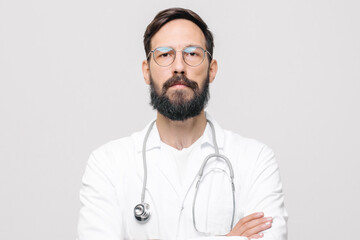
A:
{"x": 142, "y": 210}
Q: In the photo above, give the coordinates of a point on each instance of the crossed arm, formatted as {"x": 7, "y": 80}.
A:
{"x": 265, "y": 197}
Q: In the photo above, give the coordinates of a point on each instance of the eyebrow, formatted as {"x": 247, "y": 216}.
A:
{"x": 189, "y": 45}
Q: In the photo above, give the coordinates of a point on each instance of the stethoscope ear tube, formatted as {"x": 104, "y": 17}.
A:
{"x": 199, "y": 179}
{"x": 216, "y": 155}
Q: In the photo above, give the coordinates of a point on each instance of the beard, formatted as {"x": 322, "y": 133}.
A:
{"x": 180, "y": 108}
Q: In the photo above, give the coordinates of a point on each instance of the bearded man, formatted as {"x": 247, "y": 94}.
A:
{"x": 183, "y": 176}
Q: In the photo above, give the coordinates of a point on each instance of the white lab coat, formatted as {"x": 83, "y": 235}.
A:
{"x": 113, "y": 180}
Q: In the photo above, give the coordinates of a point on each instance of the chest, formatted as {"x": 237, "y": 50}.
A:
{"x": 174, "y": 203}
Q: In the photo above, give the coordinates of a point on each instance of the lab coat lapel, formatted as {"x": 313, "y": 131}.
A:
{"x": 159, "y": 163}
{"x": 168, "y": 170}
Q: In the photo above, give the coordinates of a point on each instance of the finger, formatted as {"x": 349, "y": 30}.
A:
{"x": 254, "y": 223}
{"x": 258, "y": 229}
{"x": 249, "y": 218}
{"x": 256, "y": 236}
{"x": 246, "y": 223}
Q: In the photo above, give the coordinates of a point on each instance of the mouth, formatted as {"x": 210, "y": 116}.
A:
{"x": 179, "y": 85}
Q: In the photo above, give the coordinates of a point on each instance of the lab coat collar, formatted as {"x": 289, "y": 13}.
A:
{"x": 154, "y": 137}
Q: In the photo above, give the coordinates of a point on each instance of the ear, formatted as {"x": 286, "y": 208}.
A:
{"x": 212, "y": 70}
{"x": 146, "y": 71}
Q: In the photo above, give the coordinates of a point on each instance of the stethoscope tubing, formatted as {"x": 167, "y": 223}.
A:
{"x": 144, "y": 161}
{"x": 199, "y": 176}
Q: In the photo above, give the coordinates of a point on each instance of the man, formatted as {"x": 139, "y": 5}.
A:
{"x": 183, "y": 176}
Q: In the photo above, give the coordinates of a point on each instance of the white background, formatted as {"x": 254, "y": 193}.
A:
{"x": 70, "y": 81}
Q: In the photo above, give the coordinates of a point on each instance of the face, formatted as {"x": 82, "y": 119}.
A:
{"x": 179, "y": 86}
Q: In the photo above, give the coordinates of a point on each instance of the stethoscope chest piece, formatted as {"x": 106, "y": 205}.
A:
{"x": 142, "y": 212}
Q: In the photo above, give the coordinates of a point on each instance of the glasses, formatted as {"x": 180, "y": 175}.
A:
{"x": 192, "y": 56}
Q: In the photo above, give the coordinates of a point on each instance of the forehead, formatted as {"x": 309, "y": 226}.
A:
{"x": 178, "y": 34}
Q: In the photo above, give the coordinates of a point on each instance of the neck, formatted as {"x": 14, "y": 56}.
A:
{"x": 181, "y": 134}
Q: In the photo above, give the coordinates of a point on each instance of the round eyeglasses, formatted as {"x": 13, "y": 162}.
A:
{"x": 165, "y": 56}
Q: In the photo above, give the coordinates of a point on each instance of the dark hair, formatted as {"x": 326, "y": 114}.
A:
{"x": 170, "y": 14}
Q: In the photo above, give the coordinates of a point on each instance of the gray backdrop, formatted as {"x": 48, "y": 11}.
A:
{"x": 71, "y": 80}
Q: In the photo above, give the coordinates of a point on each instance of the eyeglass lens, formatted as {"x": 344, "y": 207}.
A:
{"x": 193, "y": 56}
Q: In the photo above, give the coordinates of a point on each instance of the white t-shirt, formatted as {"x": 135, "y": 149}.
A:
{"x": 180, "y": 157}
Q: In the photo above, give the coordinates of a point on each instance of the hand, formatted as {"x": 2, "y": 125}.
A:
{"x": 251, "y": 226}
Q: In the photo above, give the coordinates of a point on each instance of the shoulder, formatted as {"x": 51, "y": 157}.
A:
{"x": 247, "y": 149}
{"x": 232, "y": 141}
{"x": 113, "y": 159}
{"x": 237, "y": 141}
{"x": 118, "y": 147}
{"x": 248, "y": 152}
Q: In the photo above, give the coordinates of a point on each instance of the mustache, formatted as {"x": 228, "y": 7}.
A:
{"x": 180, "y": 79}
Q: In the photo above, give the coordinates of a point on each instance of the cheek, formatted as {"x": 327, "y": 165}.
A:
{"x": 157, "y": 82}
{"x": 160, "y": 75}
{"x": 199, "y": 76}
{"x": 199, "y": 71}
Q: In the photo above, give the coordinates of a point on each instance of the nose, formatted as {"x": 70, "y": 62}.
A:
{"x": 179, "y": 64}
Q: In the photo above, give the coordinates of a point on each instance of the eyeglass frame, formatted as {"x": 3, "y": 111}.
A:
{"x": 204, "y": 50}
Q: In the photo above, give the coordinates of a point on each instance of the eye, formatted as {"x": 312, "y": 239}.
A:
{"x": 193, "y": 52}
{"x": 164, "y": 55}
{"x": 164, "y": 52}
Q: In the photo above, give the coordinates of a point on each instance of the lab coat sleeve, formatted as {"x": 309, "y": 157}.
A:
{"x": 220, "y": 238}
{"x": 100, "y": 216}
{"x": 266, "y": 195}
